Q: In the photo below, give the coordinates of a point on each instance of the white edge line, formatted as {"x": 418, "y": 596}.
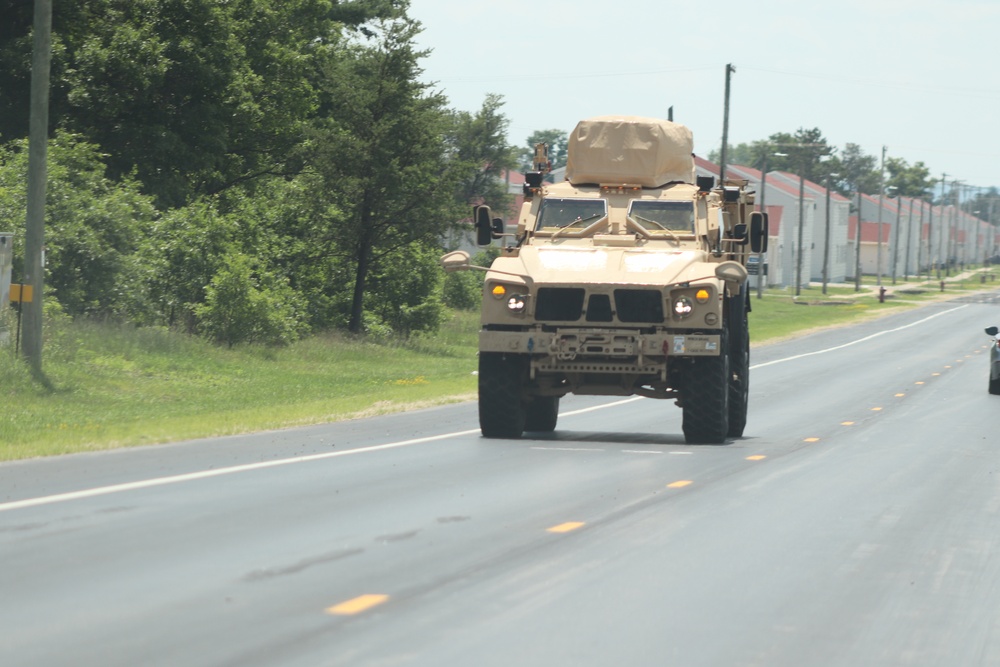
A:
{"x": 218, "y": 472}
{"x": 855, "y": 342}
{"x": 232, "y": 470}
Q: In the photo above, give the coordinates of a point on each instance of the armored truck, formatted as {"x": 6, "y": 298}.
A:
{"x": 628, "y": 278}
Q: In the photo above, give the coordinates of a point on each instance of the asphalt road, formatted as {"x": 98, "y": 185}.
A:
{"x": 856, "y": 523}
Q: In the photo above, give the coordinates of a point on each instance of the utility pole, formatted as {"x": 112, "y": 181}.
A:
{"x": 798, "y": 258}
{"x": 942, "y": 225}
{"x": 881, "y": 191}
{"x": 895, "y": 243}
{"x": 725, "y": 127}
{"x": 909, "y": 240}
{"x": 857, "y": 248}
{"x": 38, "y": 129}
{"x": 826, "y": 242}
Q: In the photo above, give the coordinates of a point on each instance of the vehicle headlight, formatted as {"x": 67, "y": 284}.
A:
{"x": 516, "y": 303}
{"x": 683, "y": 306}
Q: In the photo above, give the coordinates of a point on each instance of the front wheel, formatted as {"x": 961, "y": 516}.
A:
{"x": 542, "y": 414}
{"x": 502, "y": 413}
{"x": 739, "y": 363}
{"x": 995, "y": 386}
{"x": 705, "y": 398}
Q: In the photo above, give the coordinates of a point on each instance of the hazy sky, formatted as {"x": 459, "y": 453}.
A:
{"x": 920, "y": 77}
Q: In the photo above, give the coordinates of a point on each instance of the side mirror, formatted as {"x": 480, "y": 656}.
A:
{"x": 484, "y": 225}
{"x": 497, "y": 227}
{"x": 731, "y": 272}
{"x": 457, "y": 260}
{"x": 740, "y": 233}
{"x": 991, "y": 331}
{"x": 758, "y": 231}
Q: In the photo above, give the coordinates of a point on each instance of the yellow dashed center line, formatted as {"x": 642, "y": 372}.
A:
{"x": 565, "y": 527}
{"x": 756, "y": 457}
{"x": 900, "y": 395}
{"x": 811, "y": 440}
{"x": 919, "y": 382}
{"x": 357, "y": 605}
{"x": 681, "y": 483}
{"x": 847, "y": 423}
{"x": 935, "y": 374}
{"x": 876, "y": 409}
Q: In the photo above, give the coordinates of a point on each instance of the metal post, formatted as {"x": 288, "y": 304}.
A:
{"x": 725, "y": 128}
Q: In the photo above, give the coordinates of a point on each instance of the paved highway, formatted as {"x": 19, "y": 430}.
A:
{"x": 855, "y": 524}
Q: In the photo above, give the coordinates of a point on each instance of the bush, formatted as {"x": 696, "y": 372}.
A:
{"x": 240, "y": 308}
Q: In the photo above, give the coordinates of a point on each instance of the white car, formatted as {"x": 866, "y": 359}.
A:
{"x": 994, "y": 360}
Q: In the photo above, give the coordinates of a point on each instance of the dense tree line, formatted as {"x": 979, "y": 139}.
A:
{"x": 251, "y": 169}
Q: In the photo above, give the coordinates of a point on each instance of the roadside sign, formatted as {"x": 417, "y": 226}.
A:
{"x": 21, "y": 293}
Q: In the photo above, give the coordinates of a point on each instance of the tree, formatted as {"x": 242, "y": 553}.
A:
{"x": 858, "y": 171}
{"x": 480, "y": 155}
{"x": 95, "y": 225}
{"x": 380, "y": 154}
{"x": 908, "y": 180}
{"x": 192, "y": 96}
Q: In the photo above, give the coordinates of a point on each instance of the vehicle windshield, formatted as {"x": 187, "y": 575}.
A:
{"x": 674, "y": 216}
{"x": 569, "y": 213}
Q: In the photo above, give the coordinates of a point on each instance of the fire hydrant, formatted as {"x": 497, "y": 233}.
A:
{"x": 881, "y": 294}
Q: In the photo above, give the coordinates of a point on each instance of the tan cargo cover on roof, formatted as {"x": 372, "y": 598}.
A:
{"x": 618, "y": 150}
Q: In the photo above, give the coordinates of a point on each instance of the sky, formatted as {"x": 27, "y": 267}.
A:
{"x": 918, "y": 77}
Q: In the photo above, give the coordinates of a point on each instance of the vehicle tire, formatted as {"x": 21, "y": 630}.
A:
{"x": 542, "y": 414}
{"x": 501, "y": 410}
{"x": 739, "y": 363}
{"x": 705, "y": 398}
{"x": 995, "y": 386}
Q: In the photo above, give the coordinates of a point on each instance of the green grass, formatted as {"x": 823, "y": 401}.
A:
{"x": 118, "y": 386}
{"x": 115, "y": 386}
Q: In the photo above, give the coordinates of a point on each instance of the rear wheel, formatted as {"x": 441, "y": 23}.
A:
{"x": 739, "y": 363}
{"x": 995, "y": 386}
{"x": 705, "y": 398}
{"x": 542, "y": 414}
{"x": 502, "y": 413}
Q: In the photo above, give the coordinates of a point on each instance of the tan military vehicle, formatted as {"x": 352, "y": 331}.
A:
{"x": 629, "y": 278}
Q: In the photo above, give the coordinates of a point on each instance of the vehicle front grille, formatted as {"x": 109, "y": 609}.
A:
{"x": 559, "y": 304}
{"x": 631, "y": 306}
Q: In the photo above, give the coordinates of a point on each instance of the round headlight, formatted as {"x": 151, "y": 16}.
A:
{"x": 683, "y": 307}
{"x": 515, "y": 304}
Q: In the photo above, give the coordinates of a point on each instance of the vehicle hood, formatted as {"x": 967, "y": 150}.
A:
{"x": 567, "y": 265}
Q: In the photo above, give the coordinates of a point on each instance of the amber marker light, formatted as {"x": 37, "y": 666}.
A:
{"x": 499, "y": 291}
{"x": 702, "y": 296}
